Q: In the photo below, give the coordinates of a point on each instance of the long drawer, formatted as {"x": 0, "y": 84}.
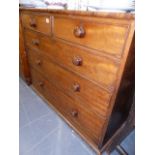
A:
{"x": 82, "y": 119}
{"x": 105, "y": 37}
{"x": 96, "y": 68}
{"x": 40, "y": 23}
{"x": 79, "y": 89}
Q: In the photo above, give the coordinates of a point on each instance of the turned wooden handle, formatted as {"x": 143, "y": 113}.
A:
{"x": 74, "y": 113}
{"x": 76, "y": 87}
{"x": 38, "y": 62}
{"x": 79, "y": 32}
{"x": 41, "y": 84}
{"x": 35, "y": 42}
{"x": 33, "y": 23}
{"x": 77, "y": 61}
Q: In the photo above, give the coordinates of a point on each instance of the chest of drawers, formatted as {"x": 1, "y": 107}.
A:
{"x": 82, "y": 64}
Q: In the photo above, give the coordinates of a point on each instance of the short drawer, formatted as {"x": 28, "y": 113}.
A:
{"x": 41, "y": 23}
{"x": 81, "y": 118}
{"x": 78, "y": 88}
{"x": 96, "y": 68}
{"x": 105, "y": 37}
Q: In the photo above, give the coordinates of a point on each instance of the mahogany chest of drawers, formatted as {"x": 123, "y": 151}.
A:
{"x": 82, "y": 63}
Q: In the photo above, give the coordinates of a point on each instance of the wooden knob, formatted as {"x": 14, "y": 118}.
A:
{"x": 41, "y": 84}
{"x": 74, "y": 113}
{"x": 79, "y": 32}
{"x": 76, "y": 87}
{"x": 33, "y": 23}
{"x": 35, "y": 42}
{"x": 38, "y": 62}
{"x": 77, "y": 60}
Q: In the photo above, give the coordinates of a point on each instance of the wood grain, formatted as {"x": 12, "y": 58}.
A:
{"x": 107, "y": 38}
{"x": 42, "y": 23}
{"x": 111, "y": 15}
{"x": 83, "y": 64}
{"x": 23, "y": 61}
{"x": 90, "y": 124}
{"x": 98, "y": 102}
{"x": 99, "y": 69}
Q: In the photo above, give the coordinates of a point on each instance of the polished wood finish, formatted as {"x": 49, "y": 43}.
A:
{"x": 104, "y": 37}
{"x": 98, "y": 102}
{"x": 79, "y": 61}
{"x": 79, "y": 31}
{"x": 23, "y": 62}
{"x": 37, "y": 23}
{"x": 81, "y": 117}
{"x": 83, "y": 65}
{"x": 115, "y": 15}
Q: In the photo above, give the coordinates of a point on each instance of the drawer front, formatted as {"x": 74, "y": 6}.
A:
{"x": 96, "y": 68}
{"x": 85, "y": 121}
{"x": 81, "y": 90}
{"x": 104, "y": 37}
{"x": 41, "y": 23}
